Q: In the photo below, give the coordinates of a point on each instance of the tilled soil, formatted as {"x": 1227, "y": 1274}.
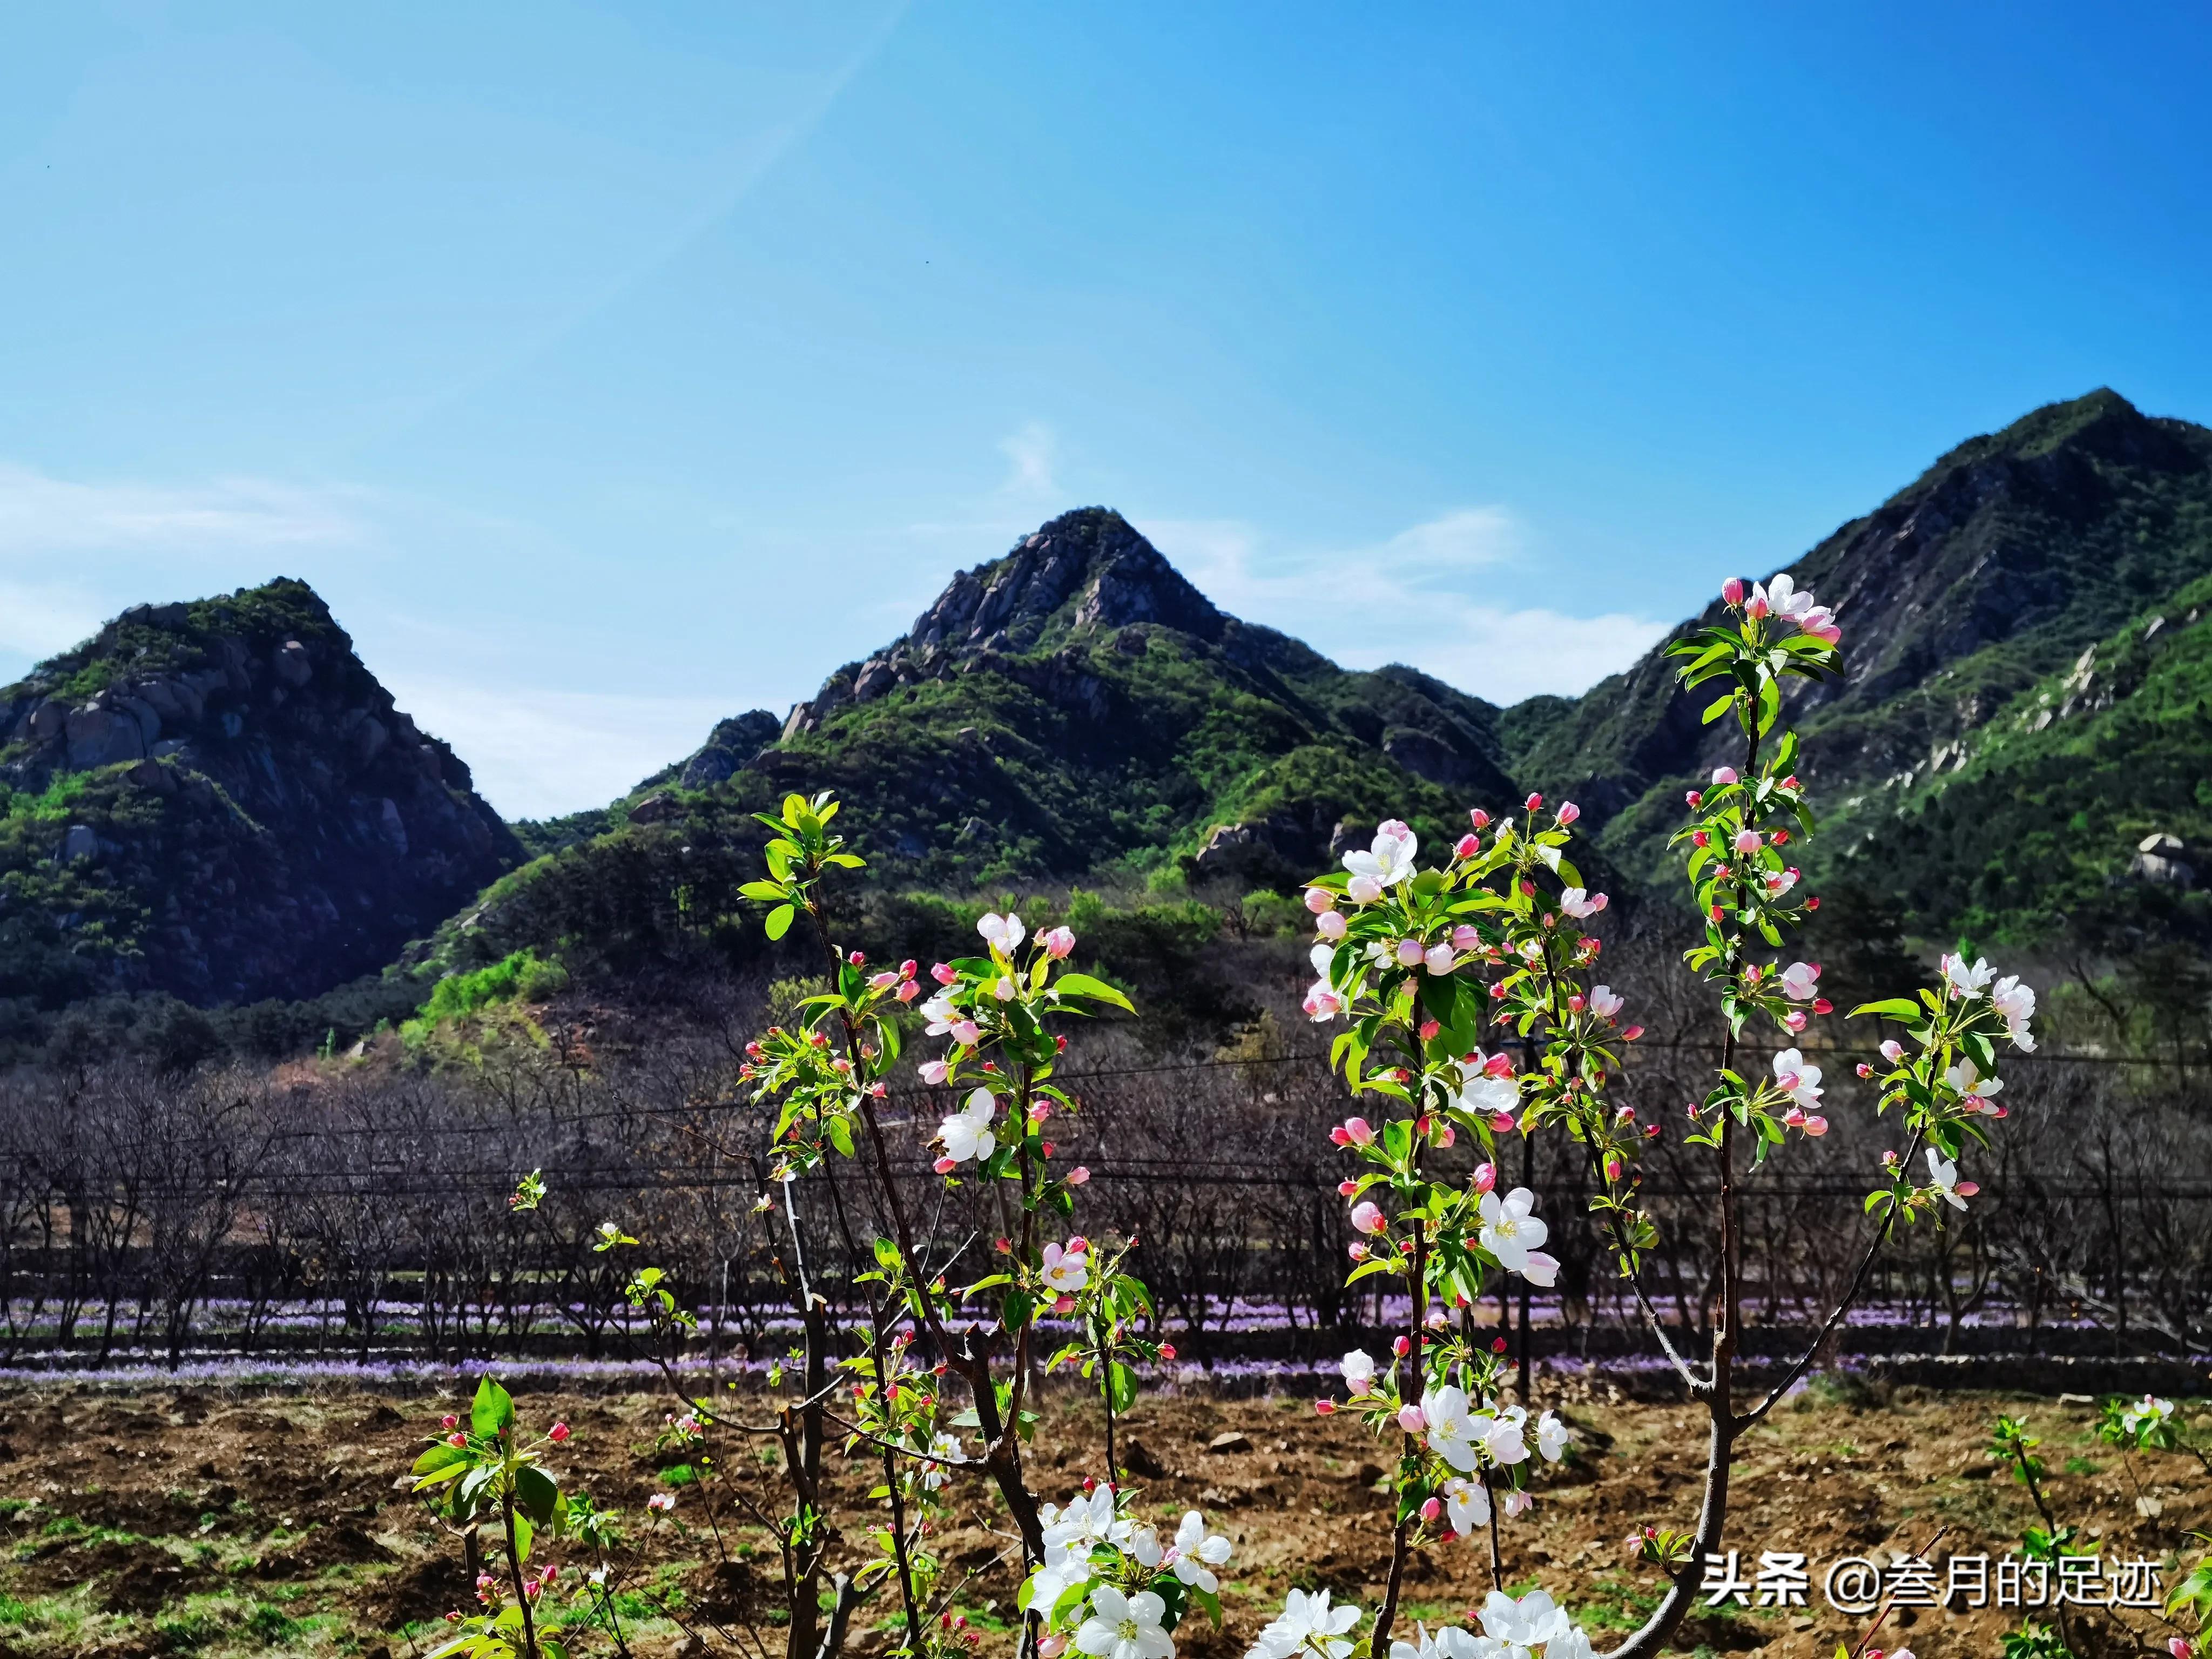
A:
{"x": 190, "y": 1521}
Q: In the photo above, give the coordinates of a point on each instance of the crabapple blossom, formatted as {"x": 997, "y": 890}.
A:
{"x": 1966, "y": 982}
{"x": 1440, "y": 959}
{"x": 1467, "y": 1503}
{"x": 1307, "y": 1624}
{"x": 1800, "y": 981}
{"x": 1604, "y": 1001}
{"x": 1782, "y": 598}
{"x": 1412, "y": 1419}
{"x": 1529, "y": 1622}
{"x": 1892, "y": 1051}
{"x": 1363, "y": 890}
{"x": 1483, "y": 1093}
{"x": 1723, "y": 775}
{"x": 1747, "y": 841}
{"x": 1389, "y": 861}
{"x": 1330, "y": 924}
{"x": 1410, "y": 951}
{"x": 1366, "y": 1218}
{"x": 1944, "y": 1173}
{"x": 1974, "y": 1088}
{"x": 966, "y": 1033}
{"x": 1058, "y": 942}
{"x": 1452, "y": 1431}
{"x": 1732, "y": 591}
{"x": 1581, "y": 904}
{"x": 934, "y": 1072}
{"x": 1516, "y": 1503}
{"x": 1569, "y": 812}
{"x": 944, "y": 973}
{"x": 1319, "y": 899}
{"x": 967, "y": 1133}
{"x": 1552, "y": 1438}
{"x": 2017, "y": 1003}
{"x": 1801, "y": 1082}
{"x": 1509, "y": 1230}
{"x": 661, "y": 1501}
{"x": 1353, "y": 1132}
{"x": 1067, "y": 1270}
{"x": 1358, "y": 1372}
{"x": 1198, "y": 1551}
{"x": 1002, "y": 933}
{"x": 1125, "y": 1626}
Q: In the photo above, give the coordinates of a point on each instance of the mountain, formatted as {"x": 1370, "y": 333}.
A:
{"x": 218, "y": 801}
{"x": 1076, "y": 708}
{"x": 1966, "y": 591}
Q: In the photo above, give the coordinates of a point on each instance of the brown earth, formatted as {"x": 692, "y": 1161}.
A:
{"x": 195, "y": 1522}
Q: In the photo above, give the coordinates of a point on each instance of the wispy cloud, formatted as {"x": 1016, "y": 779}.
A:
{"x": 1031, "y": 454}
{"x": 1414, "y": 597}
{"x": 42, "y": 514}
{"x": 538, "y": 752}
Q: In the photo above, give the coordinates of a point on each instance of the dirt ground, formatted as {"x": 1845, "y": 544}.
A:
{"x": 197, "y": 1523}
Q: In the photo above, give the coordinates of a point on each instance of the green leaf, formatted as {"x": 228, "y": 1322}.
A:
{"x": 1082, "y": 985}
{"x": 492, "y": 1410}
{"x": 1716, "y": 708}
{"x": 535, "y": 1494}
{"x": 779, "y": 920}
{"x": 1904, "y": 1008}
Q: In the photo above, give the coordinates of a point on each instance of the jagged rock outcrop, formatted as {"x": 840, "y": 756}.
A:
{"x": 247, "y": 813}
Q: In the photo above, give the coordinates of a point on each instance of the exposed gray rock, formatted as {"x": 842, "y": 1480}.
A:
{"x": 101, "y": 737}
{"x": 655, "y": 809}
{"x": 394, "y": 827}
{"x": 78, "y": 841}
{"x": 292, "y": 664}
{"x": 2159, "y": 858}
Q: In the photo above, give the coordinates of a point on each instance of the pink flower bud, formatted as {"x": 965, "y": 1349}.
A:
{"x": 1325, "y": 1407}
{"x": 966, "y": 1033}
{"x": 945, "y": 1165}
{"x": 908, "y": 990}
{"x": 1569, "y": 812}
{"x": 1058, "y": 943}
{"x": 944, "y": 973}
{"x": 1466, "y": 846}
{"x": 1612, "y": 1167}
{"x": 1411, "y": 1420}
{"x": 1822, "y": 1005}
{"x": 557, "y": 1433}
{"x": 1319, "y": 899}
{"x": 1693, "y": 799}
{"x": 1965, "y": 1189}
{"x": 1446, "y": 1135}
{"x": 1865, "y": 1070}
{"x": 857, "y": 960}
{"x": 1347, "y": 1189}
{"x": 1732, "y": 591}
{"x": 1464, "y": 936}
{"x": 450, "y": 1421}
{"x": 1402, "y": 1346}
{"x": 1723, "y": 775}
{"x": 1479, "y": 818}
{"x": 1167, "y": 1351}
{"x": 1429, "y": 1029}
{"x": 1631, "y": 1033}
{"x": 1501, "y": 1122}
{"x": 1534, "y": 802}
{"x": 456, "y": 1440}
{"x": 1485, "y": 1176}
{"x": 1757, "y": 607}
{"x": 1575, "y": 1003}
{"x": 1410, "y": 951}
{"x": 1358, "y": 1251}
{"x": 1747, "y": 841}
{"x": 1700, "y": 838}
{"x": 1817, "y": 1125}
{"x": 1366, "y": 1218}
{"x": 1892, "y": 1051}
{"x": 1357, "y": 1132}
{"x": 1794, "y": 1019}
{"x": 1078, "y": 1176}
{"x": 1431, "y": 1509}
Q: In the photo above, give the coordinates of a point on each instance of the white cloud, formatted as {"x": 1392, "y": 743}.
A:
{"x": 40, "y": 513}
{"x": 1031, "y": 453}
{"x": 537, "y": 752}
{"x": 1415, "y": 598}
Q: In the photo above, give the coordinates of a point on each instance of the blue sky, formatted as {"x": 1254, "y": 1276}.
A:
{"x": 611, "y": 369}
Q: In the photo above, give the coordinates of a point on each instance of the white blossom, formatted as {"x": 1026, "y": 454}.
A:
{"x": 967, "y": 1132}
{"x": 1307, "y": 1624}
{"x": 1065, "y": 1271}
{"x": 2017, "y": 1003}
{"x": 1197, "y": 1552}
{"x": 1004, "y": 932}
{"x": 1801, "y": 1082}
{"x": 1453, "y": 1429}
{"x": 1975, "y": 1090}
{"x": 1389, "y": 862}
{"x": 1581, "y": 904}
{"x": 1529, "y": 1622}
{"x": 1944, "y": 1173}
{"x": 1552, "y": 1438}
{"x": 1125, "y": 1626}
{"x": 1510, "y": 1230}
{"x": 1467, "y": 1504}
{"x": 1358, "y": 1371}
{"x": 1967, "y": 982}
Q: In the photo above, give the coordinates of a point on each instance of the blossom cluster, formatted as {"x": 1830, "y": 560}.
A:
{"x": 1109, "y": 1585}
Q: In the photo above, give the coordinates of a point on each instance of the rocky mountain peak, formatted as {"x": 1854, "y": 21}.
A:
{"x": 220, "y": 800}
{"x": 1084, "y": 573}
